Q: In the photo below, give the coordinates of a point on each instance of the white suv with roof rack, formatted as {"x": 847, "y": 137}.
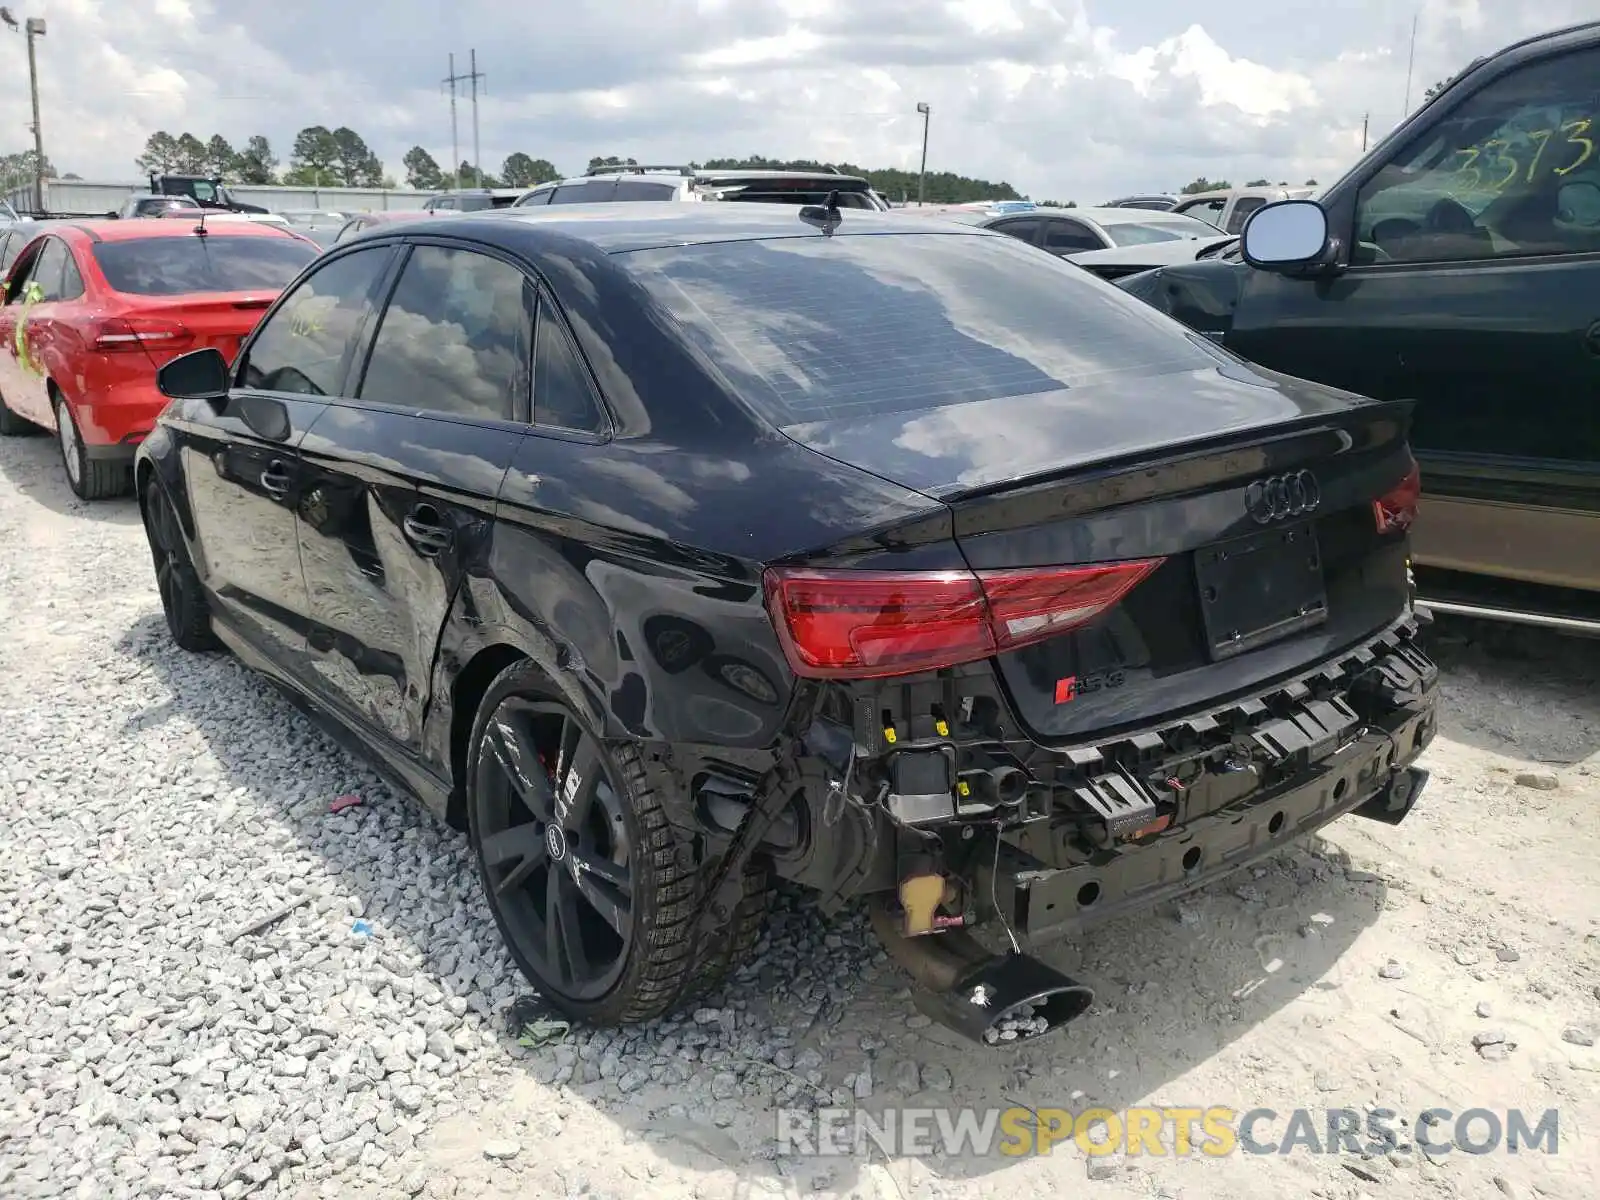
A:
{"x": 615, "y": 184}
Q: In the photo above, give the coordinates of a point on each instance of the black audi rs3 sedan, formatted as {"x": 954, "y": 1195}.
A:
{"x": 673, "y": 550}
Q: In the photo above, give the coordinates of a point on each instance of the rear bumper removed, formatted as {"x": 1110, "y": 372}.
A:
{"x": 1370, "y": 776}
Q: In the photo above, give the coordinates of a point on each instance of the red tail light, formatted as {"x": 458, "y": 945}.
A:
{"x": 1397, "y": 508}
{"x": 869, "y": 624}
{"x": 141, "y": 333}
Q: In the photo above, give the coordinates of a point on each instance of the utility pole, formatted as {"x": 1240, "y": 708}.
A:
{"x": 1411, "y": 60}
{"x": 1364, "y": 118}
{"x": 922, "y": 175}
{"x": 34, "y": 27}
{"x": 477, "y": 159}
{"x": 455, "y": 138}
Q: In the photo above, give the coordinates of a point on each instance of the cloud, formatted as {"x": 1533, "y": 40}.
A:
{"x": 1074, "y": 99}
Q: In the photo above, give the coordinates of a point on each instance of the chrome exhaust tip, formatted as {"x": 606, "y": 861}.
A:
{"x": 992, "y": 999}
{"x": 1009, "y": 998}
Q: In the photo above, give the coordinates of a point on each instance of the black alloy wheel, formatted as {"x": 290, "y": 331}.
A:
{"x": 183, "y": 600}
{"x": 554, "y": 847}
{"x": 593, "y": 890}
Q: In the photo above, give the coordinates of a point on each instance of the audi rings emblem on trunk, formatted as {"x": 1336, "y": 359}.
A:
{"x": 1282, "y": 496}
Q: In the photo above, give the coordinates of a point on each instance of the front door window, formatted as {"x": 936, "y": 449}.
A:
{"x": 1512, "y": 171}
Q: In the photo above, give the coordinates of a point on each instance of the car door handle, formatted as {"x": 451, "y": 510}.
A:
{"x": 275, "y": 479}
{"x": 426, "y": 531}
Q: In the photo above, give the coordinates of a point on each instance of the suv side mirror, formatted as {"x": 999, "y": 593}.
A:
{"x": 1285, "y": 234}
{"x": 197, "y": 375}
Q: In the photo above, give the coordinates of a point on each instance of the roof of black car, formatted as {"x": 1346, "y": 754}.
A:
{"x": 618, "y": 228}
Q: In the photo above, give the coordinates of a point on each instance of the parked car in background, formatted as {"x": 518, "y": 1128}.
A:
{"x": 1155, "y": 202}
{"x": 214, "y": 219}
{"x": 671, "y": 550}
{"x": 1230, "y": 208}
{"x": 321, "y": 227}
{"x": 149, "y": 204}
{"x": 364, "y": 221}
{"x": 613, "y": 184}
{"x": 314, "y": 216}
{"x": 474, "y": 199}
{"x": 1458, "y": 264}
{"x": 14, "y": 237}
{"x": 102, "y": 305}
{"x": 1110, "y": 242}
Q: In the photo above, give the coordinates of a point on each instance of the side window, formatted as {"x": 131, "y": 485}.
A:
{"x": 590, "y": 191}
{"x": 1205, "y": 210}
{"x": 71, "y": 278}
{"x": 1069, "y": 237}
{"x": 1512, "y": 170}
{"x": 1026, "y": 230}
{"x": 456, "y": 338}
{"x": 536, "y": 197}
{"x": 642, "y": 189}
{"x": 304, "y": 346}
{"x": 562, "y": 395}
{"x": 47, "y": 269}
{"x": 1242, "y": 210}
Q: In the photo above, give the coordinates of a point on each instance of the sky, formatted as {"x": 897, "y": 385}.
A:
{"x": 1064, "y": 99}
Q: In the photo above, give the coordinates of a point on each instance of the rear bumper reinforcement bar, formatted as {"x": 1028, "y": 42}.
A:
{"x": 1044, "y": 902}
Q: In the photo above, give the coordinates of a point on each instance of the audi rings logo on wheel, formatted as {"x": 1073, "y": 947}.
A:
{"x": 1282, "y": 496}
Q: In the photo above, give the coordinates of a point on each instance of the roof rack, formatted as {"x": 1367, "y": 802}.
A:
{"x": 640, "y": 169}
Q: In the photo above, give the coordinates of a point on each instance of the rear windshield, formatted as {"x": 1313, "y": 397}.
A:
{"x": 815, "y": 328}
{"x": 173, "y": 266}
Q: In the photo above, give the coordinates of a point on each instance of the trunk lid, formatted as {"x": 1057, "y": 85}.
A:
{"x": 961, "y": 448}
{"x": 171, "y": 325}
{"x": 1250, "y": 586}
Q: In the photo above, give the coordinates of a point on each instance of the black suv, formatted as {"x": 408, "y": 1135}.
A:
{"x": 1461, "y": 269}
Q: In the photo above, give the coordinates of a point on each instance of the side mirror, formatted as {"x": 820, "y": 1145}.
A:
{"x": 197, "y": 375}
{"x": 1286, "y": 234}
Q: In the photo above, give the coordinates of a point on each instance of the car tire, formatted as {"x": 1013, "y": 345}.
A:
{"x": 183, "y": 600}
{"x": 648, "y": 962}
{"x": 89, "y": 478}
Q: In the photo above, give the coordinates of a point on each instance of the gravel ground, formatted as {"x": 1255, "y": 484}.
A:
{"x": 214, "y": 986}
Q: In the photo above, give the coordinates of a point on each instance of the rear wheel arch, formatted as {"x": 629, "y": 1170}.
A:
{"x": 143, "y": 472}
{"x": 466, "y": 694}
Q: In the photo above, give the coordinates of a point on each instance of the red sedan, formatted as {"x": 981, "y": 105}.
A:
{"x": 102, "y": 305}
